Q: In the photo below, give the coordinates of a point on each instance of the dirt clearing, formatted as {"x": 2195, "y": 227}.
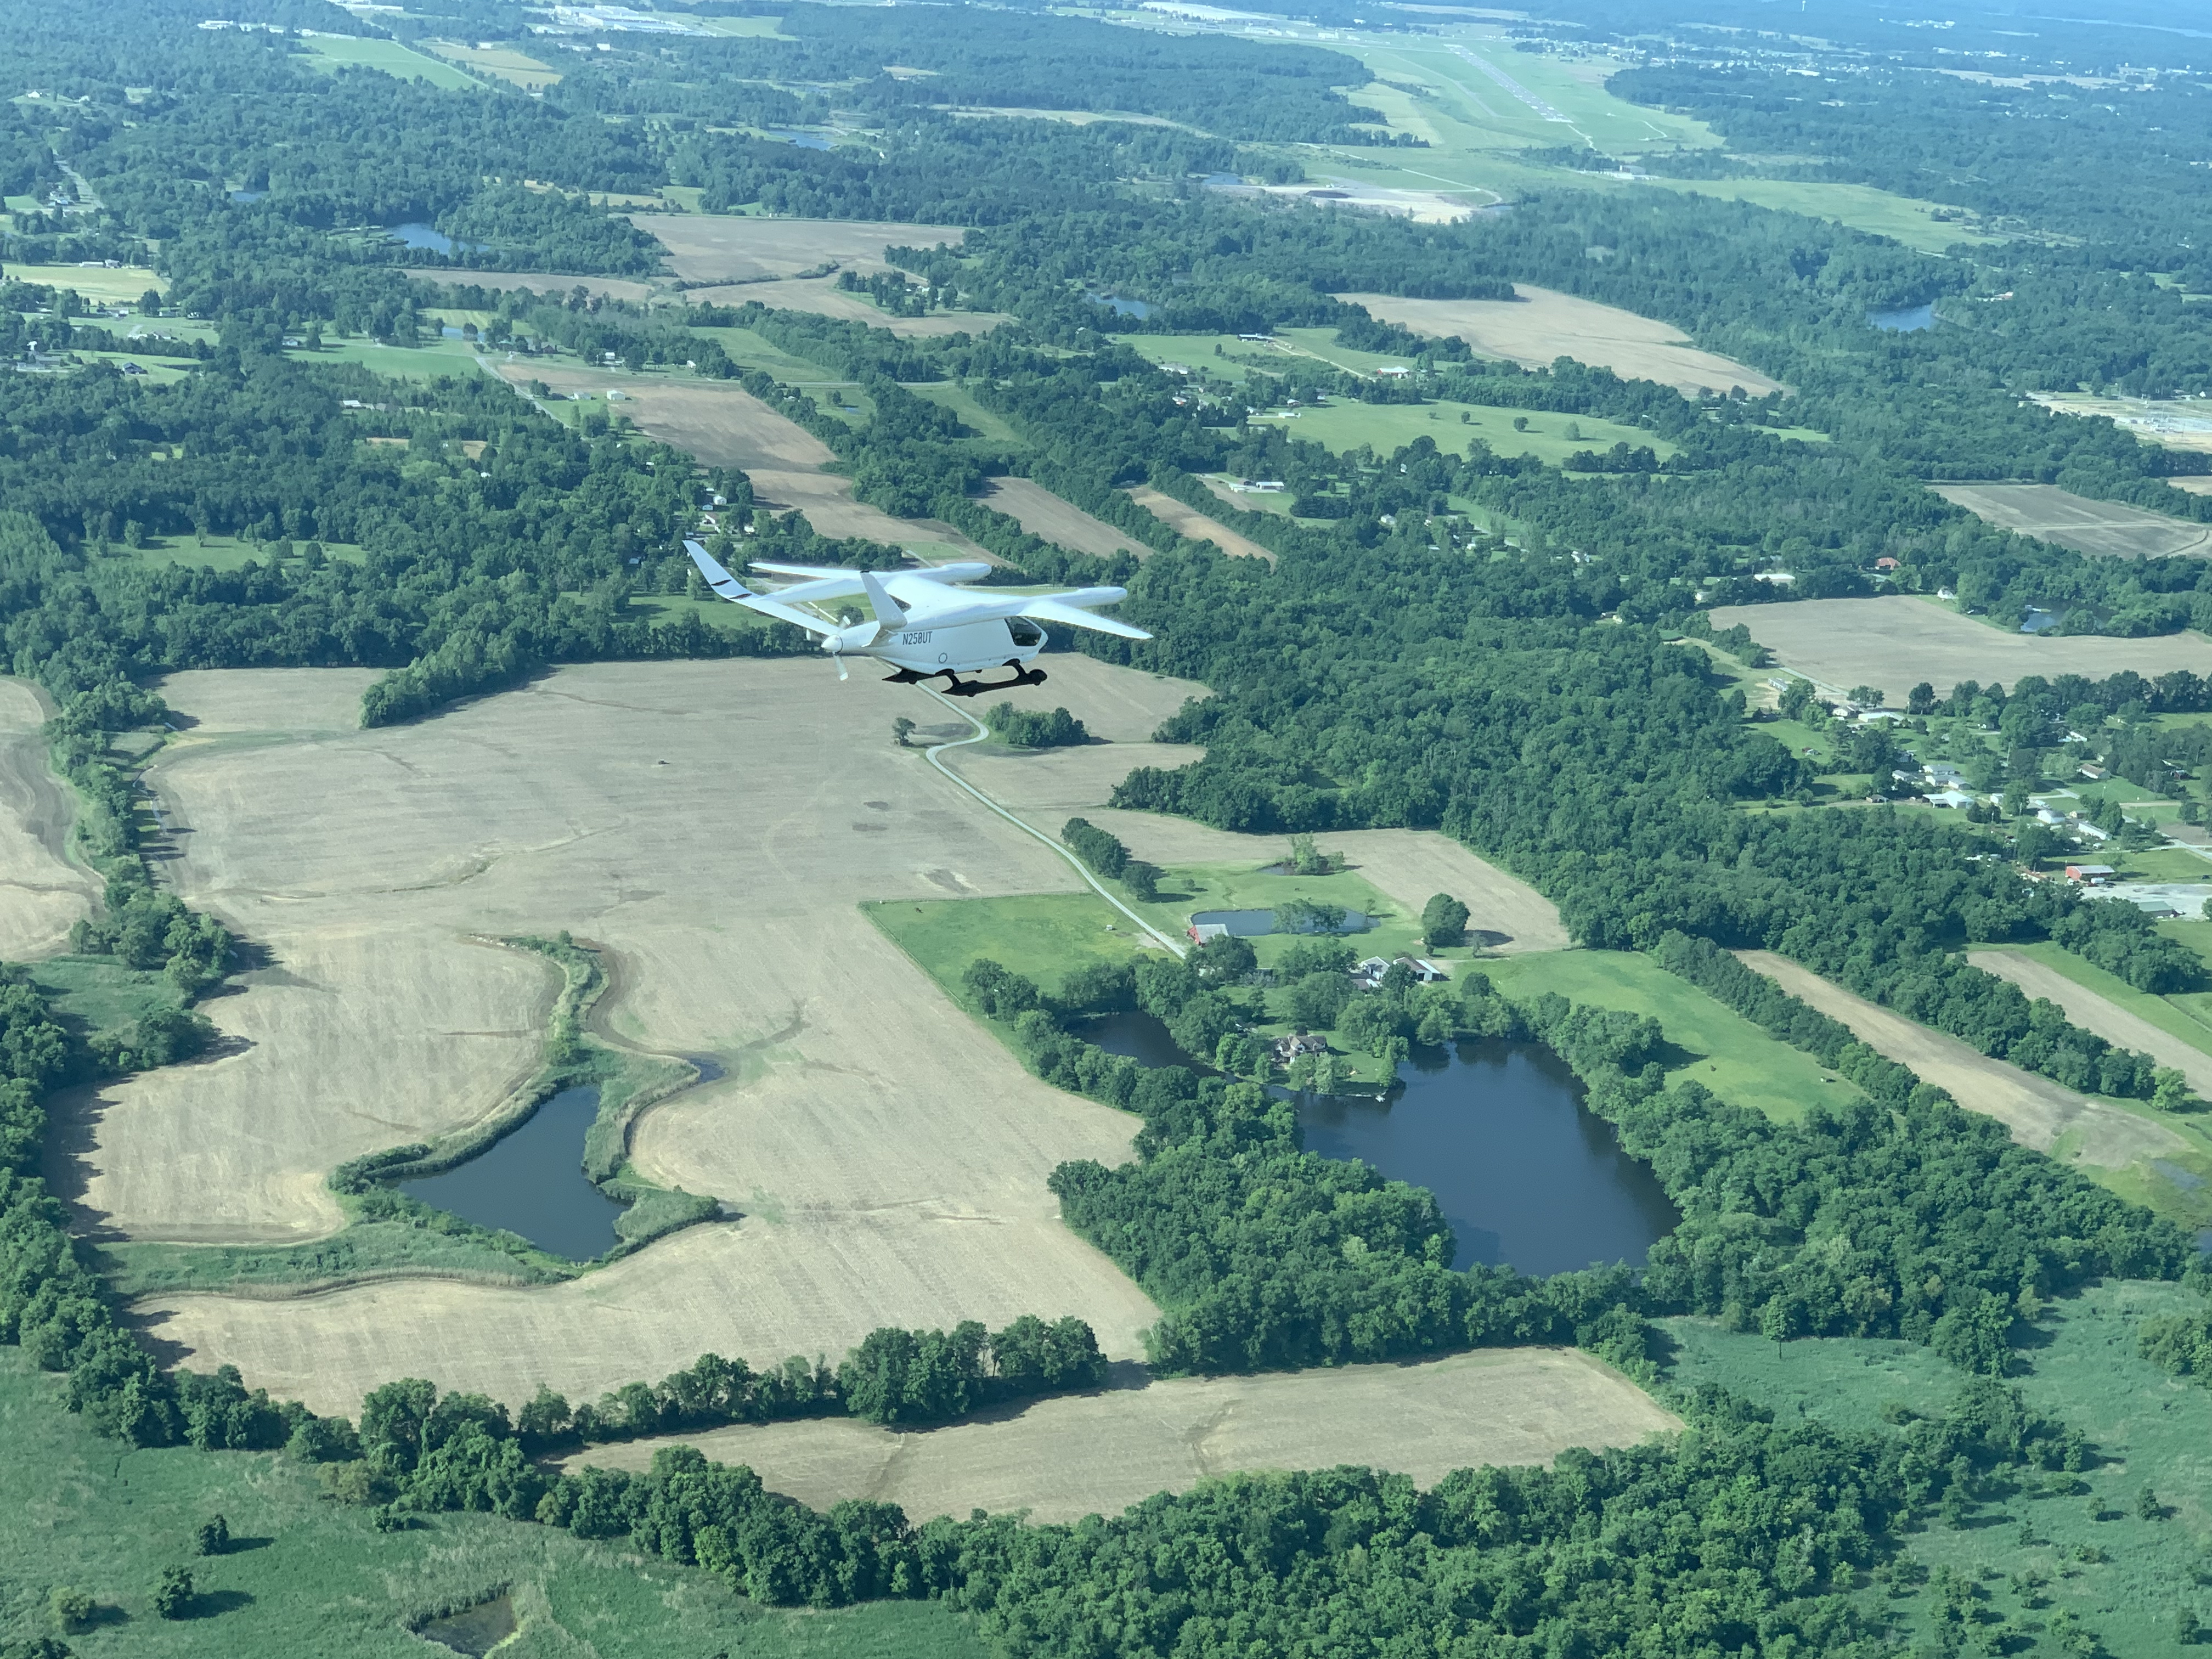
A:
{"x": 887, "y": 1158}
{"x": 823, "y": 299}
{"x": 720, "y": 424}
{"x": 1895, "y": 643}
{"x": 2100, "y": 529}
{"x": 2039, "y": 1113}
{"x": 1041, "y": 512}
{"x": 706, "y": 248}
{"x": 1190, "y": 521}
{"x": 41, "y": 891}
{"x": 1542, "y": 326}
{"x": 2092, "y": 1012}
{"x": 1098, "y": 1454}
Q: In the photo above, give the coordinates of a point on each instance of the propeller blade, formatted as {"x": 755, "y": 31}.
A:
{"x": 841, "y": 675}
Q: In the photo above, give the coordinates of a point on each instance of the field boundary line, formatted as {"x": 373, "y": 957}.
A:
{"x": 982, "y": 732}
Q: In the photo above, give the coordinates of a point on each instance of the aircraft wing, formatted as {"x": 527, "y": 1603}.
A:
{"x": 1071, "y": 616}
{"x": 729, "y": 587}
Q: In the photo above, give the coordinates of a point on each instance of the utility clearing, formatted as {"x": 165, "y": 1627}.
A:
{"x": 1895, "y": 643}
{"x": 713, "y": 827}
{"x": 1539, "y": 325}
{"x": 1096, "y": 1453}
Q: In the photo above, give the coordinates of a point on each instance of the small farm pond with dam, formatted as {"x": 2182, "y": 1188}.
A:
{"x": 1526, "y": 1175}
{"x": 530, "y": 1182}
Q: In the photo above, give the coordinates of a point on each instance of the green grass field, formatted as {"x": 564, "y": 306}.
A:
{"x": 948, "y": 394}
{"x": 1862, "y": 207}
{"x": 221, "y": 552}
{"x": 2126, "y": 1577}
{"x": 333, "y": 51}
{"x": 122, "y": 286}
{"x": 1451, "y": 426}
{"x": 1042, "y": 935}
{"x": 1718, "y": 1047}
{"x": 311, "y": 1579}
{"x": 426, "y": 362}
{"x": 748, "y": 350}
{"x": 99, "y": 994}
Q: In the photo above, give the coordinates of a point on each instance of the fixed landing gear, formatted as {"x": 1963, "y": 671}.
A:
{"x": 957, "y": 687}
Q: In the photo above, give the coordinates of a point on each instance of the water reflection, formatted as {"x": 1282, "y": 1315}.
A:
{"x": 1909, "y": 319}
{"x": 1523, "y": 1170}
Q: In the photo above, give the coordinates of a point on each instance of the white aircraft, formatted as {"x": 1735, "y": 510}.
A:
{"x": 927, "y": 625}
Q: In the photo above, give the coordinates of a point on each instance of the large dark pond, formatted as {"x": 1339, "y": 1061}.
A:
{"x": 1139, "y": 1036}
{"x": 1496, "y": 1130}
{"x": 532, "y": 1181}
{"x": 1499, "y": 1133}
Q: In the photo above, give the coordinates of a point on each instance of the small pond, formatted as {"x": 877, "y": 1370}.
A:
{"x": 247, "y": 195}
{"x": 474, "y": 1630}
{"x": 531, "y": 1181}
{"x": 1135, "y": 1035}
{"x": 1122, "y": 307}
{"x": 1524, "y": 1173}
{"x": 427, "y": 236}
{"x": 804, "y": 140}
{"x": 1911, "y": 319}
{"x": 1258, "y": 924}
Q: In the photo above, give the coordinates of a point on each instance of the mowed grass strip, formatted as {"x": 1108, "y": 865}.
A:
{"x": 309, "y": 1576}
{"x": 1714, "y": 1045}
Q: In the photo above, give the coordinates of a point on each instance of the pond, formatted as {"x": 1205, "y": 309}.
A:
{"x": 1909, "y": 321}
{"x": 247, "y": 195}
{"x": 1258, "y": 924}
{"x": 427, "y": 236}
{"x": 531, "y": 1181}
{"x": 474, "y": 1630}
{"x": 1524, "y": 1173}
{"x": 1135, "y": 1035}
{"x": 804, "y": 140}
{"x": 1122, "y": 307}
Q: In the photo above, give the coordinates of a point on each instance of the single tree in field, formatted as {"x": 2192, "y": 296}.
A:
{"x": 172, "y": 1599}
{"x": 71, "y": 1608}
{"x": 214, "y": 1535}
{"x": 1443, "y": 921}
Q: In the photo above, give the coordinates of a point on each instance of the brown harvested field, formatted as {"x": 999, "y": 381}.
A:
{"x": 1895, "y": 643}
{"x": 2100, "y": 529}
{"x": 1041, "y": 512}
{"x": 714, "y": 826}
{"x": 537, "y": 281}
{"x": 2093, "y": 1011}
{"x": 1122, "y": 706}
{"x": 1542, "y": 326}
{"x": 2039, "y": 1113}
{"x": 1190, "y": 521}
{"x": 41, "y": 891}
{"x": 719, "y": 247}
{"x": 720, "y": 424}
{"x": 1096, "y": 1453}
{"x": 2201, "y": 486}
{"x": 824, "y": 299}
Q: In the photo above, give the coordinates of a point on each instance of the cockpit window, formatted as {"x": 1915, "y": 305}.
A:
{"x": 1024, "y": 631}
